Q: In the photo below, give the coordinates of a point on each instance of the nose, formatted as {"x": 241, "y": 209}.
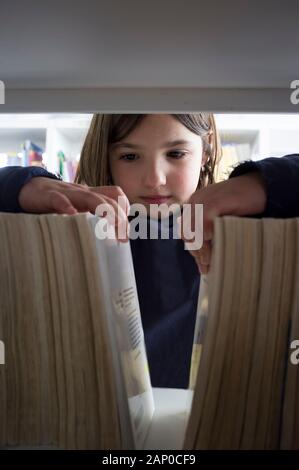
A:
{"x": 154, "y": 175}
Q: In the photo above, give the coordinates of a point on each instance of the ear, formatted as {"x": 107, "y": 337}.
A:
{"x": 206, "y": 154}
{"x": 204, "y": 159}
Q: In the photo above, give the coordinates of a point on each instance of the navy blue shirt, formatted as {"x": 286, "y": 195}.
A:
{"x": 167, "y": 281}
{"x": 166, "y": 275}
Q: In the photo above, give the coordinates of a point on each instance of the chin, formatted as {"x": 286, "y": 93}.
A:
{"x": 161, "y": 211}
{"x": 156, "y": 211}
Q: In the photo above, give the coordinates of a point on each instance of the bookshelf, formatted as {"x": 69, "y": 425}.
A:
{"x": 255, "y": 136}
{"x": 245, "y": 136}
{"x": 54, "y": 133}
{"x": 268, "y": 135}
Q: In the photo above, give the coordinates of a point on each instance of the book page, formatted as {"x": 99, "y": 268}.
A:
{"x": 87, "y": 404}
{"x": 199, "y": 330}
{"x": 117, "y": 272}
{"x": 241, "y": 384}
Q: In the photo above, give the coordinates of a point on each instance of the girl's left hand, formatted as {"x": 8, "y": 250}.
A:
{"x": 240, "y": 196}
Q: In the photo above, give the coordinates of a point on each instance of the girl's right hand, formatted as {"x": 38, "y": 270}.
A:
{"x": 46, "y": 195}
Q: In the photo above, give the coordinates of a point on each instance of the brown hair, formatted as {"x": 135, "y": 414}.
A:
{"x": 105, "y": 129}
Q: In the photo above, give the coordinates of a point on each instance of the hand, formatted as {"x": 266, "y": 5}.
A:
{"x": 46, "y": 195}
{"x": 240, "y": 196}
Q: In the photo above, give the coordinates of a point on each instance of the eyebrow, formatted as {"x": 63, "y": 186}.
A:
{"x": 166, "y": 145}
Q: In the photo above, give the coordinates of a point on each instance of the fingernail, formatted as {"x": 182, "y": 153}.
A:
{"x": 123, "y": 230}
{"x": 204, "y": 259}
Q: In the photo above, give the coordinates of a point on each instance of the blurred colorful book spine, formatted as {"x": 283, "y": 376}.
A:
{"x": 32, "y": 154}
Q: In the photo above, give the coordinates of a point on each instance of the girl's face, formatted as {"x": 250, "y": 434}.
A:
{"x": 158, "y": 162}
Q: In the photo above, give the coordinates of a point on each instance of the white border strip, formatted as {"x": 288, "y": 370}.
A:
{"x": 2, "y": 93}
{"x": 138, "y": 100}
{"x": 2, "y": 353}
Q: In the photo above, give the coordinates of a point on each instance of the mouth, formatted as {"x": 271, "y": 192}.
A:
{"x": 155, "y": 199}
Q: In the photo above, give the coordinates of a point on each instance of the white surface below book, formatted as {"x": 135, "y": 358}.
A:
{"x": 168, "y": 426}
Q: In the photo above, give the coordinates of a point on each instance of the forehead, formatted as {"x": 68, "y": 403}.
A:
{"x": 159, "y": 123}
{"x": 162, "y": 128}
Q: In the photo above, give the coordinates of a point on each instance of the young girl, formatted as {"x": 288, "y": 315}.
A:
{"x": 147, "y": 169}
{"x": 157, "y": 159}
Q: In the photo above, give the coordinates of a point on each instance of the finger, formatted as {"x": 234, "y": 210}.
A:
{"x": 85, "y": 200}
{"x": 199, "y": 205}
{"x": 205, "y": 253}
{"x": 191, "y": 223}
{"x": 59, "y": 203}
{"x": 208, "y": 223}
{"x": 117, "y": 217}
{"x": 110, "y": 191}
{"x": 89, "y": 200}
{"x": 203, "y": 257}
{"x": 203, "y": 269}
{"x": 116, "y": 193}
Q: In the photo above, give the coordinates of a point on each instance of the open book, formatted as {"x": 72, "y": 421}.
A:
{"x": 76, "y": 374}
{"x": 247, "y": 385}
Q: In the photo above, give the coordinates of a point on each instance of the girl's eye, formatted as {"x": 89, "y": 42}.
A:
{"x": 176, "y": 154}
{"x": 129, "y": 157}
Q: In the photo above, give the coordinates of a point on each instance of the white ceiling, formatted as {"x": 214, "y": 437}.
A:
{"x": 74, "y": 52}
